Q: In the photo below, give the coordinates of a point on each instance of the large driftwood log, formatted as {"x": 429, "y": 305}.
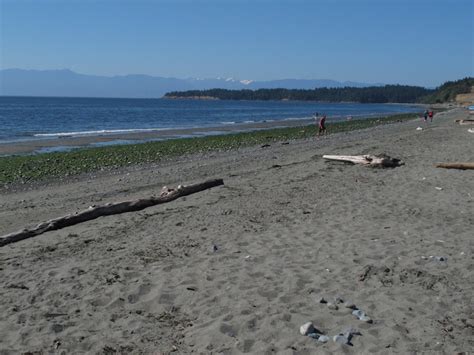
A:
{"x": 382, "y": 161}
{"x": 462, "y": 166}
{"x": 465, "y": 122}
{"x": 167, "y": 195}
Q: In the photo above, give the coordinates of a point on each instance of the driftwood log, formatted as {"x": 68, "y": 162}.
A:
{"x": 462, "y": 166}
{"x": 167, "y": 195}
{"x": 465, "y": 122}
{"x": 382, "y": 161}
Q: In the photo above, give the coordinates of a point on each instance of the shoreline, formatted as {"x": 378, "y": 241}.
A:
{"x": 85, "y": 141}
{"x": 25, "y": 168}
{"x": 64, "y": 143}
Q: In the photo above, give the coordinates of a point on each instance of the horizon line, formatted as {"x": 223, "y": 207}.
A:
{"x": 205, "y": 78}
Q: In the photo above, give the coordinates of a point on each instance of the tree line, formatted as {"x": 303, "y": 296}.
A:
{"x": 372, "y": 94}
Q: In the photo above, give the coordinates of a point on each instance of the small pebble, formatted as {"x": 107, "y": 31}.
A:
{"x": 319, "y": 337}
{"x": 341, "y": 339}
{"x": 349, "y": 304}
{"x": 307, "y": 328}
{"x": 361, "y": 316}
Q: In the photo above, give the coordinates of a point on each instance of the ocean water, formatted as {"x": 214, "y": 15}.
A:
{"x": 30, "y": 118}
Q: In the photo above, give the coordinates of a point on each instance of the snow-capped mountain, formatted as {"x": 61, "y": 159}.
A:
{"x": 20, "y": 82}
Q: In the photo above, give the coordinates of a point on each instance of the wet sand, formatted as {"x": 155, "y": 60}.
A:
{"x": 239, "y": 268}
{"x": 69, "y": 142}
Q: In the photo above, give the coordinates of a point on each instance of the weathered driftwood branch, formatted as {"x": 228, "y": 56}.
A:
{"x": 106, "y": 210}
{"x": 465, "y": 122}
{"x": 462, "y": 166}
{"x": 382, "y": 161}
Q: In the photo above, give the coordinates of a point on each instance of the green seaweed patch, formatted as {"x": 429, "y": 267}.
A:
{"x": 24, "y": 169}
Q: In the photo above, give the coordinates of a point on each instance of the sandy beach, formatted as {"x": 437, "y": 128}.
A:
{"x": 239, "y": 268}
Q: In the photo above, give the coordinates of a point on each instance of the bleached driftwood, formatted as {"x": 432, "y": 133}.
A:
{"x": 167, "y": 195}
{"x": 465, "y": 122}
{"x": 462, "y": 166}
{"x": 382, "y": 161}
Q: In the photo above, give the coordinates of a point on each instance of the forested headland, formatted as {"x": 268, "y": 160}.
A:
{"x": 372, "y": 94}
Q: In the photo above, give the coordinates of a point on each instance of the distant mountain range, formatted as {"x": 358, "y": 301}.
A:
{"x": 20, "y": 82}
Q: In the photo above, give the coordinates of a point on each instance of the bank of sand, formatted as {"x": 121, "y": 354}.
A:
{"x": 150, "y": 281}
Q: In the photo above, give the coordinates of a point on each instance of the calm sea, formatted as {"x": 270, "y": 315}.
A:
{"x": 27, "y": 118}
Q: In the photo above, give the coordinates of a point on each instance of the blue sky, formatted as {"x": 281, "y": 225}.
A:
{"x": 420, "y": 42}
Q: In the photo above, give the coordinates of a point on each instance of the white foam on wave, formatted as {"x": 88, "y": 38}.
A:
{"x": 98, "y": 132}
{"x": 228, "y": 122}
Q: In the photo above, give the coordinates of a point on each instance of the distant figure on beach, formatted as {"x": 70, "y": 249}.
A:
{"x": 322, "y": 125}
{"x": 425, "y": 116}
{"x": 430, "y": 115}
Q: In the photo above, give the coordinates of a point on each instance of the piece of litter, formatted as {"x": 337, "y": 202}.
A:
{"x": 419, "y": 128}
{"x": 438, "y": 188}
{"x": 247, "y": 257}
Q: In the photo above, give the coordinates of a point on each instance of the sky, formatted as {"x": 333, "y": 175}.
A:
{"x": 417, "y": 42}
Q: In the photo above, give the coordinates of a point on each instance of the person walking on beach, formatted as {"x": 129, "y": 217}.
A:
{"x": 425, "y": 116}
{"x": 430, "y": 115}
{"x": 322, "y": 125}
